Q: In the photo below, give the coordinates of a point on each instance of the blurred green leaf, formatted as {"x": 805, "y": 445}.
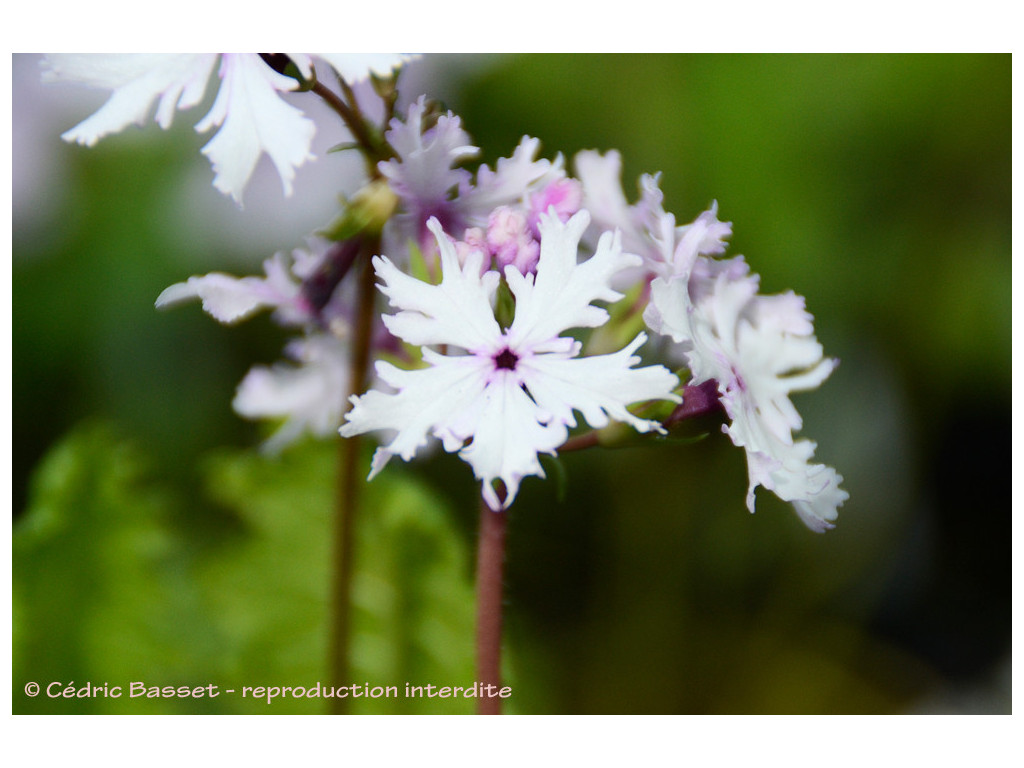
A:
{"x": 99, "y": 585}
{"x": 110, "y": 588}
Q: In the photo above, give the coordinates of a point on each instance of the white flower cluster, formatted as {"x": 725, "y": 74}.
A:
{"x": 516, "y": 257}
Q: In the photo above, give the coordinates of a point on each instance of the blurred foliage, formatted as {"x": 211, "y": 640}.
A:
{"x": 111, "y": 589}
{"x": 878, "y": 186}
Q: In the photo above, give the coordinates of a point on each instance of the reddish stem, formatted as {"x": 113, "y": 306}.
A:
{"x": 490, "y": 572}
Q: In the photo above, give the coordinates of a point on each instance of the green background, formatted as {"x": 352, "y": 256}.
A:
{"x": 153, "y": 542}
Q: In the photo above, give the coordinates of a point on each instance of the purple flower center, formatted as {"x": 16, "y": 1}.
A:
{"x": 506, "y": 359}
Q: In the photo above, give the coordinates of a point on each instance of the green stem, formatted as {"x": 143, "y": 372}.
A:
{"x": 348, "y": 490}
{"x": 489, "y": 575}
{"x": 374, "y": 149}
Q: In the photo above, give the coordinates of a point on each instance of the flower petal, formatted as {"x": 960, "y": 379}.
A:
{"x": 599, "y": 386}
{"x": 253, "y": 120}
{"x": 231, "y": 299}
{"x": 508, "y": 439}
{"x": 457, "y": 311}
{"x": 561, "y": 293}
{"x": 354, "y": 67}
{"x": 759, "y": 349}
{"x": 137, "y": 80}
{"x": 432, "y": 400}
{"x": 225, "y": 298}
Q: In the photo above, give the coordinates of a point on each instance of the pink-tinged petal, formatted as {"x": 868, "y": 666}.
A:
{"x": 705, "y": 236}
{"x": 230, "y": 299}
{"x": 176, "y": 81}
{"x": 565, "y": 196}
{"x": 759, "y": 349}
{"x": 424, "y": 175}
{"x": 511, "y": 181}
{"x": 254, "y": 120}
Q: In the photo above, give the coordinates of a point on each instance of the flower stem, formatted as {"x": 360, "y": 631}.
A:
{"x": 490, "y": 571}
{"x": 348, "y": 491}
{"x": 374, "y": 148}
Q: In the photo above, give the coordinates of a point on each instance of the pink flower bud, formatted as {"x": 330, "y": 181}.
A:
{"x": 510, "y": 241}
{"x": 564, "y": 195}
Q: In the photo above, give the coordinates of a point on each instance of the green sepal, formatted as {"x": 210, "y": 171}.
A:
{"x": 505, "y": 305}
{"x": 385, "y": 86}
{"x": 624, "y": 323}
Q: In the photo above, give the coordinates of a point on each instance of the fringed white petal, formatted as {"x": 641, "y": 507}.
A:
{"x": 354, "y": 67}
{"x": 176, "y": 81}
{"x": 254, "y": 120}
{"x": 561, "y": 293}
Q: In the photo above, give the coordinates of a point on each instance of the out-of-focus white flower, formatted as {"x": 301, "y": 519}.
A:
{"x": 309, "y": 396}
{"x": 647, "y": 229}
{"x": 500, "y": 397}
{"x": 358, "y": 66}
{"x": 230, "y": 299}
{"x": 250, "y": 116}
{"x": 759, "y": 349}
{"x": 300, "y": 288}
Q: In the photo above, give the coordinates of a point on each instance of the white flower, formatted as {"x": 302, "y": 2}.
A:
{"x": 647, "y": 230}
{"x": 759, "y": 349}
{"x": 251, "y": 117}
{"x": 507, "y": 395}
{"x": 309, "y": 397}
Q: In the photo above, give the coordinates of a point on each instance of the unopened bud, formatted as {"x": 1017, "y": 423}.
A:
{"x": 509, "y": 239}
{"x": 365, "y": 213}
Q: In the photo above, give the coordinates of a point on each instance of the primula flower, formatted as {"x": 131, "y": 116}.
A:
{"x": 500, "y": 397}
{"x": 758, "y": 349}
{"x": 251, "y": 116}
